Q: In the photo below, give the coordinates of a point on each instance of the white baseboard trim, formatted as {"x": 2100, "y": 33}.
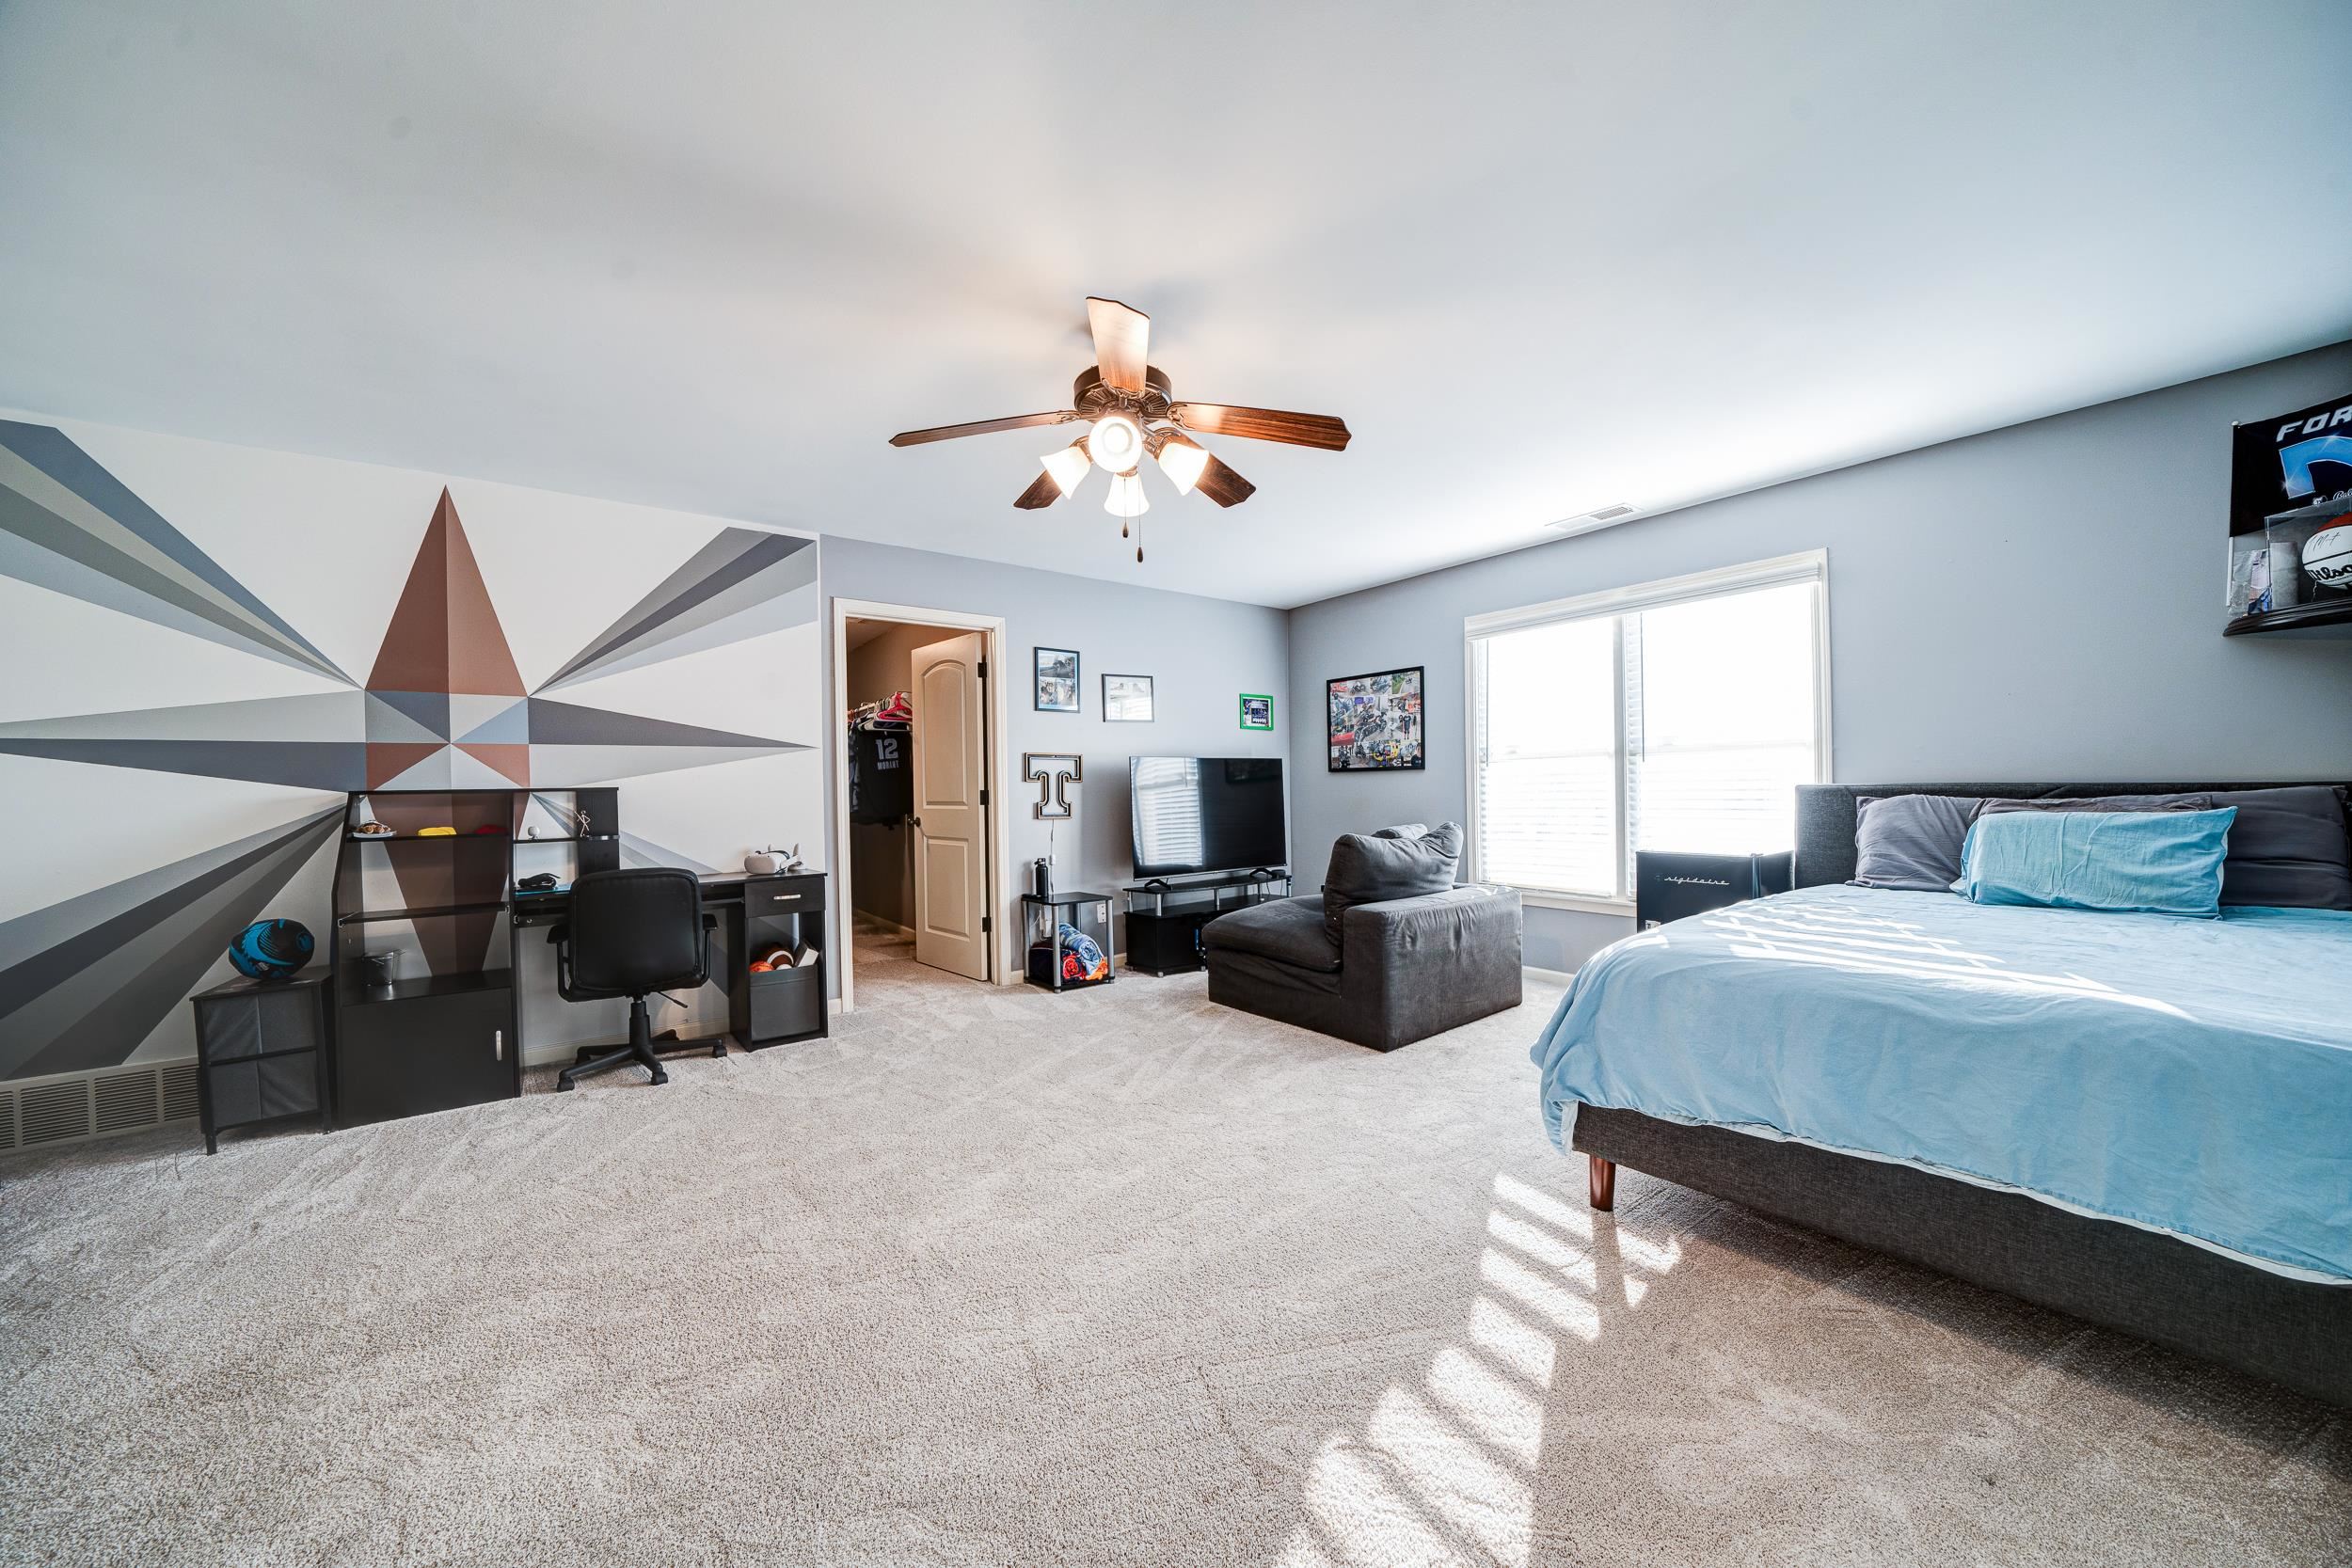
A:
{"x": 1557, "y": 976}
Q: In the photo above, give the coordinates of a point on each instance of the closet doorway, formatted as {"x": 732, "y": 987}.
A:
{"x": 919, "y": 713}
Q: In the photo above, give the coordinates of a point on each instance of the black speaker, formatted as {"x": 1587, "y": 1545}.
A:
{"x": 1673, "y": 886}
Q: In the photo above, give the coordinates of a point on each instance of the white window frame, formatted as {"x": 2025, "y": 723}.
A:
{"x": 1806, "y": 566}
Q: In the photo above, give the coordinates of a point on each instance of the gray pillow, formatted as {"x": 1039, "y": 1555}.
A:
{"x": 1911, "y": 843}
{"x": 2288, "y": 848}
{"x": 2107, "y": 803}
{"x": 1371, "y": 868}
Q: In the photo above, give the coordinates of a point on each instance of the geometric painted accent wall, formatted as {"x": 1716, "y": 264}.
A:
{"x": 444, "y": 702}
{"x": 444, "y": 705}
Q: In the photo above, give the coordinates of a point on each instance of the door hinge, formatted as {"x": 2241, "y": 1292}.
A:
{"x": 983, "y": 797}
{"x": 983, "y": 669}
{"x": 986, "y": 924}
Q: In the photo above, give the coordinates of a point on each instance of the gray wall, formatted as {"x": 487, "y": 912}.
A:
{"x": 2040, "y": 602}
{"x": 1201, "y": 653}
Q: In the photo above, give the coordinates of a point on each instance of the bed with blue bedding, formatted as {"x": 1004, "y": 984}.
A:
{"x": 2145, "y": 1119}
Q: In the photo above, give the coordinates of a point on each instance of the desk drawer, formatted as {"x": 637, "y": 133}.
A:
{"x": 784, "y": 895}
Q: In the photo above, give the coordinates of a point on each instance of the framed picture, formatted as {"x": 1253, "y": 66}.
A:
{"x": 1376, "y": 723}
{"x": 1056, "y": 680}
{"x": 1126, "y": 699}
{"x": 1257, "y": 711}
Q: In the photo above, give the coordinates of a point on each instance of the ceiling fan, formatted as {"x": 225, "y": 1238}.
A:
{"x": 1124, "y": 402}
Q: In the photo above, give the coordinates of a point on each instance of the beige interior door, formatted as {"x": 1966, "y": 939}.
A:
{"x": 951, "y": 835}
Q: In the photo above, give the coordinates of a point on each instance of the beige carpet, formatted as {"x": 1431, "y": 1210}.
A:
{"x": 1002, "y": 1279}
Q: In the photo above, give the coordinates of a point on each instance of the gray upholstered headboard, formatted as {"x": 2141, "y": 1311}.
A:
{"x": 1825, "y": 813}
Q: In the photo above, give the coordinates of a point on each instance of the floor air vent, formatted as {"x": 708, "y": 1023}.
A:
{"x": 69, "y": 1107}
{"x": 177, "y": 1080}
{"x": 122, "y": 1101}
{"x": 53, "y": 1113}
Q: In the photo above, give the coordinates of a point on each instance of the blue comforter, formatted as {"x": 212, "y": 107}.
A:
{"x": 2190, "y": 1076}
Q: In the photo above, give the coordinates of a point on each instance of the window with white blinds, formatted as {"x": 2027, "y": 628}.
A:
{"x": 1678, "y": 715}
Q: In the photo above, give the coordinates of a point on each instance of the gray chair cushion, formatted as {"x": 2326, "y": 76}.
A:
{"x": 1911, "y": 843}
{"x": 1374, "y": 868}
{"x": 1287, "y": 930}
{"x": 2288, "y": 848}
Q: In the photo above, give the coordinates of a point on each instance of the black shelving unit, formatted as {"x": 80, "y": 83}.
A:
{"x": 1045, "y": 954}
{"x": 445, "y": 1031}
{"x": 1165, "y": 938}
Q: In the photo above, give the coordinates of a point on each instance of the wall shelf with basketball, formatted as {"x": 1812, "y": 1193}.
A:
{"x": 2308, "y": 619}
{"x": 2291, "y": 524}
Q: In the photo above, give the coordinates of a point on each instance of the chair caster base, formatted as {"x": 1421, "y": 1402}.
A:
{"x": 660, "y": 1078}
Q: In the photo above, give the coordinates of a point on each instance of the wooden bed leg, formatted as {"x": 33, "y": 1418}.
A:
{"x": 1604, "y": 1183}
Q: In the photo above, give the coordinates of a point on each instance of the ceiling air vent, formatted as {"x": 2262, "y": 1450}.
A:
{"x": 1600, "y": 518}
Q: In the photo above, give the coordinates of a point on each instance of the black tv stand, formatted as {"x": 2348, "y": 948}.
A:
{"x": 1164, "y": 938}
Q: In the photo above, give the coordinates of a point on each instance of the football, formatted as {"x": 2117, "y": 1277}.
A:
{"x": 2327, "y": 558}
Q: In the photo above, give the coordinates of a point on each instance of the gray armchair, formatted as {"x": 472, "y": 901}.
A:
{"x": 1381, "y": 972}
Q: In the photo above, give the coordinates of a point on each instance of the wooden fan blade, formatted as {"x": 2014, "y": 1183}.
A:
{"x": 980, "y": 427}
{"x": 1263, "y": 424}
{"x": 1222, "y": 485}
{"x": 1042, "y": 492}
{"x": 1123, "y": 336}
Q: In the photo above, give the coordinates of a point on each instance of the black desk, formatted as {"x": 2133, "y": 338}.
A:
{"x": 764, "y": 1008}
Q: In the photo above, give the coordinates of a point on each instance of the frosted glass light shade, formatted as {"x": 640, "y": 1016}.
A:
{"x": 1182, "y": 461}
{"x": 1067, "y": 468}
{"x": 1126, "y": 499}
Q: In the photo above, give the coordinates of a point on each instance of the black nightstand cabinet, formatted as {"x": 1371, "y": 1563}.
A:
{"x": 261, "y": 1051}
{"x": 1670, "y": 886}
{"x": 785, "y": 1005}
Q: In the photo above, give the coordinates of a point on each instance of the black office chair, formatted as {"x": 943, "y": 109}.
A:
{"x": 631, "y": 933}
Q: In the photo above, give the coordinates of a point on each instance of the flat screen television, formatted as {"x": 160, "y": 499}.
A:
{"x": 1206, "y": 814}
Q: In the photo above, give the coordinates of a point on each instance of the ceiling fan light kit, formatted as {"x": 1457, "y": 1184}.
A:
{"x": 1116, "y": 444}
{"x": 1130, "y": 416}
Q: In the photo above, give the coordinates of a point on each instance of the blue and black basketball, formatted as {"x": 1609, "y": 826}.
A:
{"x": 272, "y": 949}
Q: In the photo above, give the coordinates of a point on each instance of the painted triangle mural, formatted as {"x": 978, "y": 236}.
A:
{"x": 443, "y": 705}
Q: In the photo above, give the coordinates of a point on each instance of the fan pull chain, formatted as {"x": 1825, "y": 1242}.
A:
{"x": 1138, "y": 544}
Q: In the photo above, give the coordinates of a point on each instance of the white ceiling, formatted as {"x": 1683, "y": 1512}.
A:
{"x": 1542, "y": 258}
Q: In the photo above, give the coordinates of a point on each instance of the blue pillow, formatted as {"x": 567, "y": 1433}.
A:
{"x": 2153, "y": 861}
